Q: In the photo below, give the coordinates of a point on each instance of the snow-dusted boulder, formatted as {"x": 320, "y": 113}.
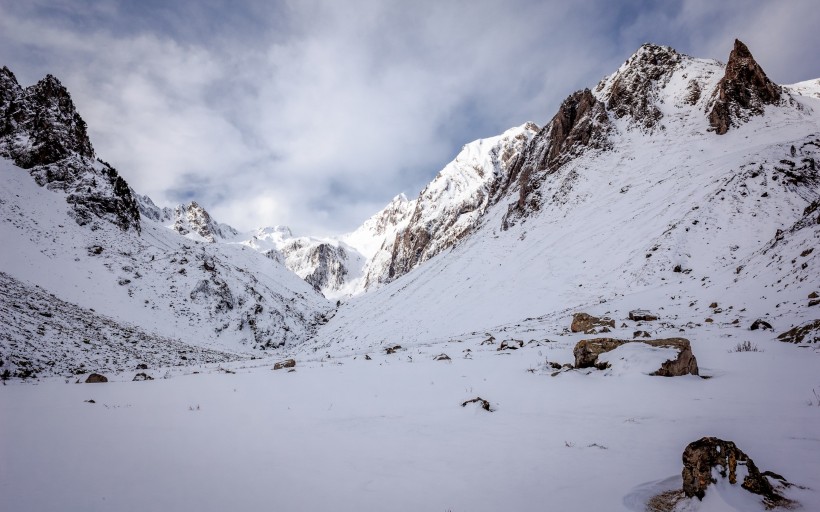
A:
{"x": 675, "y": 361}
{"x": 584, "y": 322}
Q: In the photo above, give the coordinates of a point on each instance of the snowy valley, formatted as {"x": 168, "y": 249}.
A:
{"x": 430, "y": 359}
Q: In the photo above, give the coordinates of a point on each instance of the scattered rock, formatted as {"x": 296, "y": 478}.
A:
{"x": 95, "y": 250}
{"x": 442, "y": 357}
{"x": 484, "y": 403}
{"x": 90, "y": 401}
{"x": 641, "y": 334}
{"x": 642, "y": 315}
{"x": 142, "y": 366}
{"x": 287, "y": 363}
{"x": 702, "y": 457}
{"x": 760, "y": 324}
{"x": 587, "y": 351}
{"x": 95, "y": 377}
{"x": 367, "y": 357}
{"x": 510, "y": 345}
{"x": 713, "y": 305}
{"x": 813, "y": 295}
{"x": 809, "y": 331}
{"x": 583, "y": 322}
{"x": 393, "y": 349}
{"x": 807, "y": 252}
{"x": 141, "y": 377}
{"x": 814, "y": 302}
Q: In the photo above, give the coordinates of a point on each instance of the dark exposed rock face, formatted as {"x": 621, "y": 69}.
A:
{"x": 586, "y": 354}
{"x": 41, "y": 130}
{"x": 40, "y": 124}
{"x": 583, "y": 322}
{"x": 633, "y": 91}
{"x": 580, "y": 124}
{"x": 742, "y": 92}
{"x": 702, "y": 456}
{"x": 95, "y": 378}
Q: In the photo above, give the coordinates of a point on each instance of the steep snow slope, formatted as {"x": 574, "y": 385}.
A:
{"x": 211, "y": 296}
{"x": 606, "y": 229}
{"x": 807, "y": 88}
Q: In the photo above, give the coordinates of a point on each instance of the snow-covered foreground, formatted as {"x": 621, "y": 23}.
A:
{"x": 346, "y": 433}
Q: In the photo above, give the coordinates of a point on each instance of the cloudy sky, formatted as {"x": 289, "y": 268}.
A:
{"x": 315, "y": 114}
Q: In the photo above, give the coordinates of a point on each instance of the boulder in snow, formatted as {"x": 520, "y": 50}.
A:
{"x": 587, "y": 351}
{"x": 96, "y": 377}
{"x": 583, "y": 322}
{"x": 287, "y": 363}
{"x": 642, "y": 315}
{"x": 709, "y": 457}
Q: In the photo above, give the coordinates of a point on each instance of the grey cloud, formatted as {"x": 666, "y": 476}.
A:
{"x": 315, "y": 114}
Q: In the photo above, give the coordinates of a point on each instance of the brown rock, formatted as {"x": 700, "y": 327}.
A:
{"x": 583, "y": 322}
{"x": 141, "y": 377}
{"x": 809, "y": 331}
{"x": 392, "y": 350}
{"x": 814, "y": 302}
{"x": 813, "y": 295}
{"x": 484, "y": 403}
{"x": 442, "y": 357}
{"x": 586, "y": 354}
{"x": 742, "y": 92}
{"x": 642, "y": 315}
{"x": 713, "y": 305}
{"x": 287, "y": 363}
{"x": 702, "y": 456}
{"x": 95, "y": 378}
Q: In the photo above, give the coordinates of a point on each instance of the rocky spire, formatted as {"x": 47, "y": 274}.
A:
{"x": 743, "y": 91}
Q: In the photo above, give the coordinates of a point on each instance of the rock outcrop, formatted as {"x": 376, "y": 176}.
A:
{"x": 586, "y": 354}
{"x": 808, "y": 332}
{"x": 743, "y": 91}
{"x": 95, "y": 378}
{"x": 41, "y": 130}
{"x": 708, "y": 456}
{"x": 580, "y": 124}
{"x": 633, "y": 90}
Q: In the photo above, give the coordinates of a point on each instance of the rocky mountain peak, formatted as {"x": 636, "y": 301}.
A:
{"x": 743, "y": 91}
{"x": 581, "y": 123}
{"x": 41, "y": 130}
{"x": 632, "y": 91}
{"x": 192, "y": 217}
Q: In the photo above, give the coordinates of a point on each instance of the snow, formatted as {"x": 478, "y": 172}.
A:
{"x": 637, "y": 358}
{"x": 343, "y": 432}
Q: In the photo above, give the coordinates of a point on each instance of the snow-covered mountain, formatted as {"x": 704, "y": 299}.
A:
{"x": 678, "y": 185}
{"x": 92, "y": 284}
{"x": 672, "y": 170}
{"x": 393, "y": 241}
{"x": 674, "y": 183}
